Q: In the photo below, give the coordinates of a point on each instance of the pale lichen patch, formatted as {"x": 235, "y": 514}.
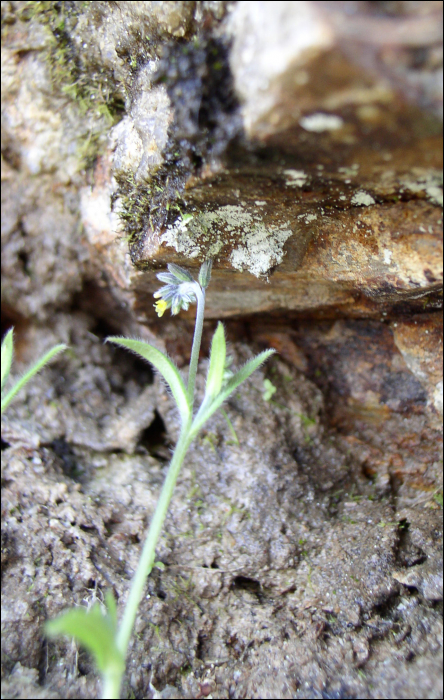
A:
{"x": 319, "y": 122}
{"x": 349, "y": 171}
{"x": 429, "y": 182}
{"x": 262, "y": 249}
{"x": 362, "y": 199}
{"x": 257, "y": 245}
{"x": 387, "y": 256}
{"x": 295, "y": 178}
{"x": 308, "y": 218}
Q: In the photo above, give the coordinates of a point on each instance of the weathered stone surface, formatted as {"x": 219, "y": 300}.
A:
{"x": 333, "y": 193}
{"x": 293, "y": 154}
{"x": 382, "y": 384}
{"x": 284, "y": 544}
{"x": 419, "y": 339}
{"x": 307, "y": 61}
{"x": 362, "y": 260}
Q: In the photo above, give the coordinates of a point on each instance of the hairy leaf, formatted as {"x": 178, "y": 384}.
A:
{"x": 165, "y": 366}
{"x": 207, "y": 409}
{"x": 95, "y": 631}
{"x": 217, "y": 363}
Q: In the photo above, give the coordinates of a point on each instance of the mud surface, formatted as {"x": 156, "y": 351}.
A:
{"x": 292, "y": 564}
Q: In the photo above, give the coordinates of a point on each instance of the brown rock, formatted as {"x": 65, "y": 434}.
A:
{"x": 325, "y": 181}
{"x": 419, "y": 339}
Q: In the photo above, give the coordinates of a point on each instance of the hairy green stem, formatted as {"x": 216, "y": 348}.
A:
{"x": 112, "y": 682}
{"x": 200, "y": 295}
{"x": 146, "y": 562}
{"x": 147, "y": 558}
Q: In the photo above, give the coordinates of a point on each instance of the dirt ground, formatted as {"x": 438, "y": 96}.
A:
{"x": 295, "y": 561}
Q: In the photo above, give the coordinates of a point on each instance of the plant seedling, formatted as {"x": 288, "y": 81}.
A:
{"x": 269, "y": 390}
{"x": 7, "y": 355}
{"x": 99, "y": 632}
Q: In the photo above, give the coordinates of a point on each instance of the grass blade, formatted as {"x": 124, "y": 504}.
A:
{"x": 7, "y": 353}
{"x": 6, "y": 400}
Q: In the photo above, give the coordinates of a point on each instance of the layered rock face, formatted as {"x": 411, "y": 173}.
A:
{"x": 304, "y": 147}
{"x": 300, "y": 146}
{"x": 297, "y": 144}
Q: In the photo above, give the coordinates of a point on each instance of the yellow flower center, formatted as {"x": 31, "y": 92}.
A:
{"x": 160, "y": 306}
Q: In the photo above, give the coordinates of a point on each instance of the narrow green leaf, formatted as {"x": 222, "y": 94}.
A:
{"x": 163, "y": 364}
{"x": 111, "y": 606}
{"x": 7, "y": 353}
{"x": 230, "y": 427}
{"x": 207, "y": 409}
{"x": 6, "y": 400}
{"x": 93, "y": 630}
{"x": 217, "y": 363}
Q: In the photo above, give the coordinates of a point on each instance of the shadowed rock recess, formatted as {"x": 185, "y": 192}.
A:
{"x": 298, "y": 145}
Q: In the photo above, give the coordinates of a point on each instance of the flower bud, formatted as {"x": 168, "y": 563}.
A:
{"x": 205, "y": 273}
{"x": 179, "y": 273}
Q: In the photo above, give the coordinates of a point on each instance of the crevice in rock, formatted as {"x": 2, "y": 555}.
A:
{"x": 67, "y": 459}
{"x": 244, "y": 583}
{"x": 154, "y": 439}
{"x": 407, "y": 553}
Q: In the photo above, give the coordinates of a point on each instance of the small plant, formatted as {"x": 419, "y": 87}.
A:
{"x": 7, "y": 355}
{"x": 269, "y": 390}
{"x": 98, "y": 629}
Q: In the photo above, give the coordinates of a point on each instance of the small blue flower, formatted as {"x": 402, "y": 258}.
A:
{"x": 178, "y": 293}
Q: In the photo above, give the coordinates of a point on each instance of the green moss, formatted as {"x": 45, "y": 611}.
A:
{"x": 438, "y": 499}
{"x": 90, "y": 88}
{"x": 148, "y": 206}
{"x": 203, "y": 125}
